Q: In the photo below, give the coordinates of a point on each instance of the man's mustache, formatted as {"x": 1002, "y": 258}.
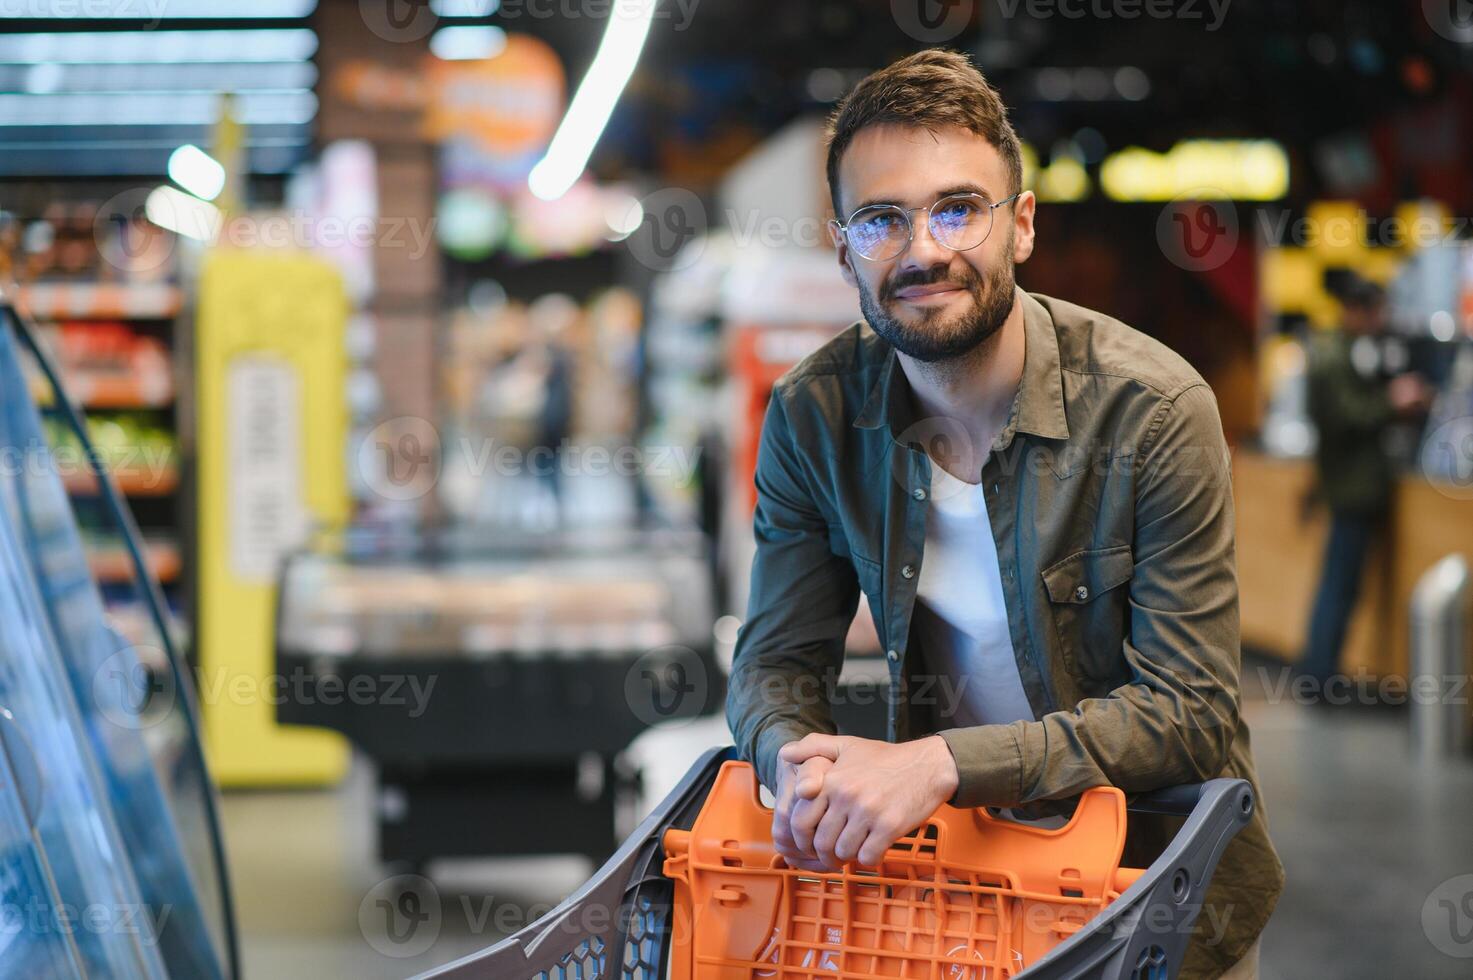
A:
{"x": 927, "y": 277}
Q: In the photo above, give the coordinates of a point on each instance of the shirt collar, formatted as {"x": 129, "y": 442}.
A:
{"x": 1038, "y": 408}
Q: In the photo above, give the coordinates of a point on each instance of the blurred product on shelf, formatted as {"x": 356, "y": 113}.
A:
{"x": 85, "y": 240}
{"x": 141, "y": 455}
{"x": 110, "y": 562}
{"x": 108, "y": 364}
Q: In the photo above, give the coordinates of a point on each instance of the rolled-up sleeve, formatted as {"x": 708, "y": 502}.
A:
{"x": 1174, "y": 721}
{"x": 802, "y": 600}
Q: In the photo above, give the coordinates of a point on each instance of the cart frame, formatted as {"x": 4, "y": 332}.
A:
{"x": 616, "y": 926}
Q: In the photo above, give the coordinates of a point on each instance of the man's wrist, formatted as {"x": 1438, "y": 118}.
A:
{"x": 946, "y": 775}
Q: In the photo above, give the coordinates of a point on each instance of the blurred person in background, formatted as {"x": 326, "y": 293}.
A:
{"x": 554, "y": 318}
{"x": 1352, "y": 401}
{"x": 1035, "y": 499}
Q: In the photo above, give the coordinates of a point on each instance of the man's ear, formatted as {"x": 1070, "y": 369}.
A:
{"x": 841, "y": 249}
{"x": 1023, "y": 211}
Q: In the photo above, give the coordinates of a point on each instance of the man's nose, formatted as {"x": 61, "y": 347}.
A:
{"x": 925, "y": 251}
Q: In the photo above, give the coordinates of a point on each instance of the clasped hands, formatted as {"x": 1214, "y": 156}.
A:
{"x": 841, "y": 798}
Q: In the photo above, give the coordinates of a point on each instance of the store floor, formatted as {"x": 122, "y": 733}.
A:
{"x": 1367, "y": 836}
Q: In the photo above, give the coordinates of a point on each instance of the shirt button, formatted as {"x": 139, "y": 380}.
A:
{"x": 919, "y": 494}
{"x": 1081, "y": 593}
{"x": 893, "y": 656}
{"x": 909, "y": 571}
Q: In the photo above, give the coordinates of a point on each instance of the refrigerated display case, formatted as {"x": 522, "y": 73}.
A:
{"x": 496, "y": 674}
{"x": 102, "y": 761}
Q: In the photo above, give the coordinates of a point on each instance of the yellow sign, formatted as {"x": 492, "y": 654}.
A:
{"x": 272, "y": 426}
{"x": 1207, "y": 170}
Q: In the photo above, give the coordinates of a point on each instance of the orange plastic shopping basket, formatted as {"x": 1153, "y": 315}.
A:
{"x": 698, "y": 892}
{"x": 968, "y": 896}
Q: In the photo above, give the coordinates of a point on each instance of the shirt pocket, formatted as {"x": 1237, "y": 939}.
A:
{"x": 1089, "y": 611}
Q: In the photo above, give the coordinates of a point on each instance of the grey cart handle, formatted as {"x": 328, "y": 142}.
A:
{"x": 1143, "y": 935}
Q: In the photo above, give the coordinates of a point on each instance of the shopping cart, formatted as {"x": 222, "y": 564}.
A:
{"x": 698, "y": 893}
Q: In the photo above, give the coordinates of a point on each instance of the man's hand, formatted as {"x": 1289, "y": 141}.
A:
{"x": 797, "y": 786}
{"x": 1409, "y": 394}
{"x": 866, "y": 797}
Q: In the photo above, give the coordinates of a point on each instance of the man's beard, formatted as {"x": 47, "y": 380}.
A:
{"x": 934, "y": 336}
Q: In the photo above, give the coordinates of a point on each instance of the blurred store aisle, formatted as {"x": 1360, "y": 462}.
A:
{"x": 1366, "y": 835}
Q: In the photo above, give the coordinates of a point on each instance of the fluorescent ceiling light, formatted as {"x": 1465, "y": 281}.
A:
{"x": 465, "y": 8}
{"x": 50, "y": 77}
{"x": 158, "y": 47}
{"x": 174, "y": 210}
{"x": 467, "y": 43}
{"x": 154, "y": 108}
{"x": 197, "y": 172}
{"x": 157, "y": 10}
{"x": 590, "y": 109}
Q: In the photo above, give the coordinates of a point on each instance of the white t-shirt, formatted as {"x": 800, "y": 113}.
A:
{"x": 961, "y": 617}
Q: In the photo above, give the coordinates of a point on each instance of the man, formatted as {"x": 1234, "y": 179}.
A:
{"x": 1351, "y": 402}
{"x": 1033, "y": 496}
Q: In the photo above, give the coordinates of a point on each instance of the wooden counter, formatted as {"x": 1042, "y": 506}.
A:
{"x": 1280, "y": 550}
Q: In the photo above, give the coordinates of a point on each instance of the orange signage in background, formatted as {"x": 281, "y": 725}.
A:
{"x": 509, "y": 104}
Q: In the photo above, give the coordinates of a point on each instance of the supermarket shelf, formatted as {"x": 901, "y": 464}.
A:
{"x": 131, "y": 483}
{"x": 101, "y": 301}
{"x": 112, "y": 564}
{"x": 106, "y": 394}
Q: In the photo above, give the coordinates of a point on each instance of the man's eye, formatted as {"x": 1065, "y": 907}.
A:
{"x": 958, "y": 210}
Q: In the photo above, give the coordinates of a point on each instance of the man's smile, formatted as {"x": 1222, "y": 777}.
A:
{"x": 936, "y": 292}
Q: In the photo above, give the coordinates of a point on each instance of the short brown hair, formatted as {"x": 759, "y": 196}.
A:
{"x": 930, "y": 89}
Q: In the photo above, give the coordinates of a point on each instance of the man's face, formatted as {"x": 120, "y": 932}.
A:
{"x": 930, "y": 302}
{"x": 1365, "y": 319}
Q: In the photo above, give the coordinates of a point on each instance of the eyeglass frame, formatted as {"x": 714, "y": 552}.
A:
{"x": 910, "y": 237}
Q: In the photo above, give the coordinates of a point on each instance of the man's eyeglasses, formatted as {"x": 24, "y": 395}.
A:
{"x": 882, "y": 231}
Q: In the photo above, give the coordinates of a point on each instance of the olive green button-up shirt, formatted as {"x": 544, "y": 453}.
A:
{"x": 1111, "y": 506}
